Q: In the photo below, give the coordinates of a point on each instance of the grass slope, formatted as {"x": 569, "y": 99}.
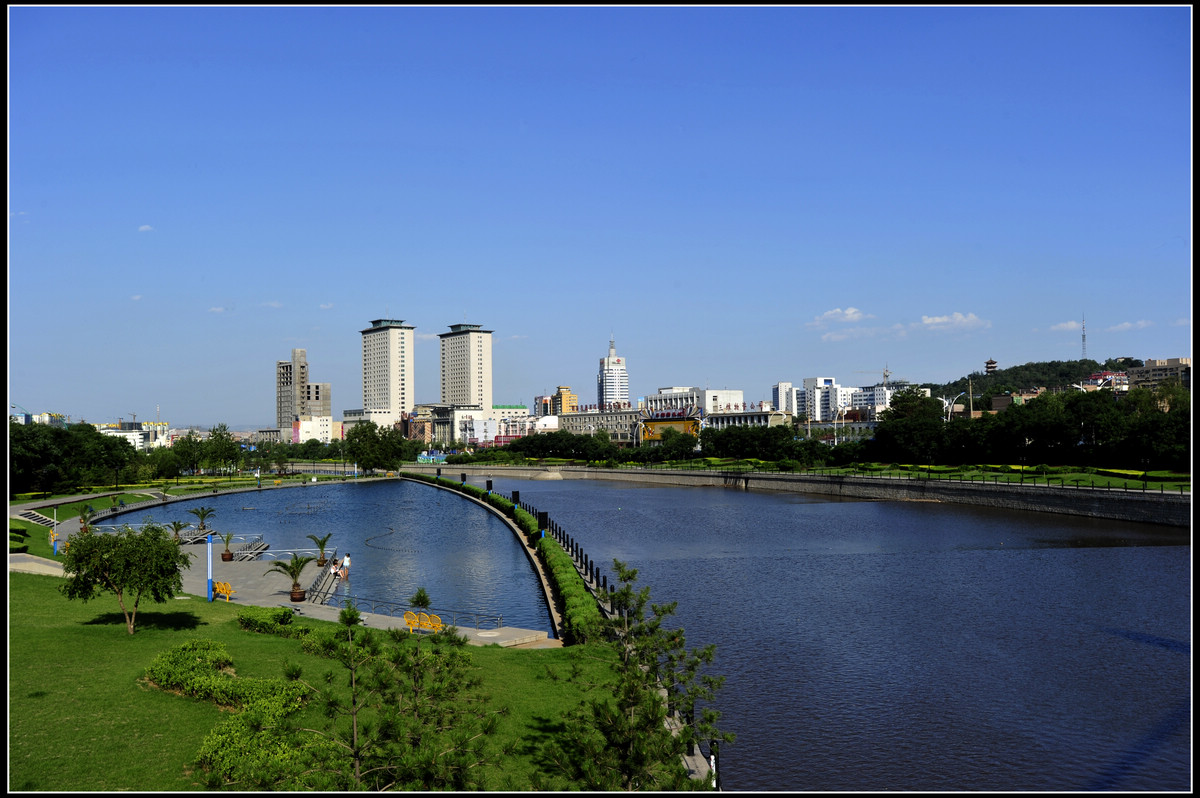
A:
{"x": 82, "y": 718}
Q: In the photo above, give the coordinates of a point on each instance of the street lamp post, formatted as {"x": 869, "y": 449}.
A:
{"x": 949, "y": 406}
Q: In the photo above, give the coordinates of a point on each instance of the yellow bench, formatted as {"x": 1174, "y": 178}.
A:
{"x": 224, "y": 589}
{"x": 423, "y": 621}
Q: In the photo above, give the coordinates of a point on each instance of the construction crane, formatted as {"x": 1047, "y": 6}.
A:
{"x": 886, "y": 374}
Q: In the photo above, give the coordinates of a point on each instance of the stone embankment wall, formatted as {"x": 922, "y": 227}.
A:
{"x": 1149, "y": 506}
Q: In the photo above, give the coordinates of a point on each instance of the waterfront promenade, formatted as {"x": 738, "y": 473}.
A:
{"x": 255, "y": 587}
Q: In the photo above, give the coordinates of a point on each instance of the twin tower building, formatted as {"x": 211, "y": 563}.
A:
{"x": 304, "y": 408}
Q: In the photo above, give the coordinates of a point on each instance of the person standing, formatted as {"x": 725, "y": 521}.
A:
{"x": 346, "y": 566}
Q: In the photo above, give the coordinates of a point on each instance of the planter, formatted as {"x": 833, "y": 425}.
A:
{"x": 227, "y": 555}
{"x": 298, "y": 594}
{"x": 321, "y": 562}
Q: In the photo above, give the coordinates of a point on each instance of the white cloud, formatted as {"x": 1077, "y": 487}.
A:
{"x": 955, "y": 321}
{"x": 136, "y": 297}
{"x": 145, "y": 228}
{"x": 840, "y": 316}
{"x": 216, "y": 310}
{"x": 326, "y": 306}
{"x": 1066, "y": 326}
{"x": 1126, "y": 326}
{"x": 274, "y": 303}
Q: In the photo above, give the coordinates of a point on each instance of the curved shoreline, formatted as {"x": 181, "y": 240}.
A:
{"x": 1166, "y": 509}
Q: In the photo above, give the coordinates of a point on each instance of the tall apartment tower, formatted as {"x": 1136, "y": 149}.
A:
{"x": 295, "y": 397}
{"x": 466, "y": 365}
{"x": 387, "y": 363}
{"x": 612, "y": 383}
{"x": 291, "y": 384}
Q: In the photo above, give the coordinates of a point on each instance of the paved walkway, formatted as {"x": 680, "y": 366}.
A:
{"x": 255, "y": 586}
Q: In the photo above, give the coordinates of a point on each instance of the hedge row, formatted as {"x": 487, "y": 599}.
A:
{"x": 581, "y": 613}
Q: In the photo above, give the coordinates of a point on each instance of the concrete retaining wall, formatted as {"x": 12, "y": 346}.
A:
{"x": 1151, "y": 507}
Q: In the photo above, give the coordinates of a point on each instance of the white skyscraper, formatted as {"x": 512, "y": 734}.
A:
{"x": 612, "y": 383}
{"x": 466, "y": 366}
{"x": 387, "y": 351}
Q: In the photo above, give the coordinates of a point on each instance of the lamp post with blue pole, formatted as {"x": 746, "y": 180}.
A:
{"x": 210, "y": 579}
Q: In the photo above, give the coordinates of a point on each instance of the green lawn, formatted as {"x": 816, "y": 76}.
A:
{"x": 81, "y": 718}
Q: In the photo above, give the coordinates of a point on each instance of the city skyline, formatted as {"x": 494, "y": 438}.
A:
{"x": 740, "y": 196}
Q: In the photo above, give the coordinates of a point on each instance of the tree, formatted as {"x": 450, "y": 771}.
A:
{"x": 190, "y": 450}
{"x": 203, "y": 513}
{"x": 321, "y": 543}
{"x": 363, "y": 446}
{"x": 620, "y": 741}
{"x": 221, "y": 450}
{"x": 177, "y": 527}
{"x": 292, "y": 568}
{"x": 911, "y": 430}
{"x": 130, "y": 564}
{"x": 410, "y": 717}
{"x": 419, "y": 600}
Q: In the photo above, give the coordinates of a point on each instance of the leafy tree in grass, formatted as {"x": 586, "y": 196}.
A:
{"x": 621, "y": 741}
{"x": 130, "y": 564}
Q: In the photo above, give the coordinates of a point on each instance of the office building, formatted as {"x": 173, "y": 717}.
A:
{"x": 466, "y": 367}
{"x": 612, "y": 383}
{"x": 387, "y": 381}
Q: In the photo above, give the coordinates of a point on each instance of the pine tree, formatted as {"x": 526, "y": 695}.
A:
{"x": 634, "y": 738}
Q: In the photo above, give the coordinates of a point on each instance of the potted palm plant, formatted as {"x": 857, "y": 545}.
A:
{"x": 321, "y": 542}
{"x": 178, "y": 526}
{"x": 226, "y": 555}
{"x": 292, "y": 569}
{"x": 203, "y": 513}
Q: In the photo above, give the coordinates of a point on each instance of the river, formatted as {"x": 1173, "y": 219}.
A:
{"x": 866, "y": 646}
{"x": 913, "y": 646}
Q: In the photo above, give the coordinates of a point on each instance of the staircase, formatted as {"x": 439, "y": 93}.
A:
{"x": 36, "y": 518}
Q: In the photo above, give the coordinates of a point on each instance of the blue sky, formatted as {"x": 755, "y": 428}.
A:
{"x": 740, "y": 196}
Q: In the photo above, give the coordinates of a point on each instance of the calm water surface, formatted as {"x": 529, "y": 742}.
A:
{"x": 866, "y": 645}
{"x": 400, "y": 536}
{"x": 913, "y": 646}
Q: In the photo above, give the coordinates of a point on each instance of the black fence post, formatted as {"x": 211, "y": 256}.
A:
{"x": 543, "y": 522}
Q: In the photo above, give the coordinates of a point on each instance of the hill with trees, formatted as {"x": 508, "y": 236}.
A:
{"x": 1026, "y": 377}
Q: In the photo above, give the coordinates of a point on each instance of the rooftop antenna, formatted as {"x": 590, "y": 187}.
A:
{"x": 1085, "y": 336}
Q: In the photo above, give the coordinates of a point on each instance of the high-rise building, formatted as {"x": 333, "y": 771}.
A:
{"x": 783, "y": 396}
{"x": 296, "y": 398}
{"x": 387, "y": 363}
{"x": 612, "y": 383}
{"x": 466, "y": 366}
{"x": 291, "y": 381}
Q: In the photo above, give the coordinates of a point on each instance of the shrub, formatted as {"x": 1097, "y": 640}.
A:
{"x": 271, "y": 620}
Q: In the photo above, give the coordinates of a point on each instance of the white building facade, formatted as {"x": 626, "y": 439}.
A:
{"x": 822, "y": 399}
{"x": 783, "y": 397}
{"x": 612, "y": 383}
{"x": 387, "y": 363}
{"x": 466, "y": 366}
